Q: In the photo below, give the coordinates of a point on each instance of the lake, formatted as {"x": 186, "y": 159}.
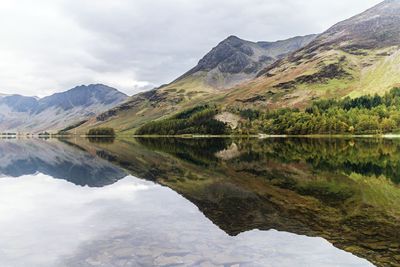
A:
{"x": 200, "y": 202}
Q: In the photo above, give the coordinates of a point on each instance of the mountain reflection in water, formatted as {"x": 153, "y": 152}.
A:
{"x": 343, "y": 190}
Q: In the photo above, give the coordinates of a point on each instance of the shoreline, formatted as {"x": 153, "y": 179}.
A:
{"x": 195, "y": 136}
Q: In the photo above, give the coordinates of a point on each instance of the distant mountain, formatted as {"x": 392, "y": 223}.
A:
{"x": 30, "y": 114}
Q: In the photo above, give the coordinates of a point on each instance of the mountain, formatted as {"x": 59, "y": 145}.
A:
{"x": 30, "y": 114}
{"x": 231, "y": 62}
{"x": 355, "y": 57}
{"x": 235, "y": 60}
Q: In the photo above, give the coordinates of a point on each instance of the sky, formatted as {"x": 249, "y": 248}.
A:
{"x": 50, "y": 46}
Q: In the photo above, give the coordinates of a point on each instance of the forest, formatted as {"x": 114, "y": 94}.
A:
{"x": 198, "y": 120}
{"x": 101, "y": 131}
{"x": 362, "y": 115}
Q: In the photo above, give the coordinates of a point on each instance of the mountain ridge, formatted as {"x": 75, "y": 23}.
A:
{"x": 51, "y": 113}
{"x": 376, "y": 26}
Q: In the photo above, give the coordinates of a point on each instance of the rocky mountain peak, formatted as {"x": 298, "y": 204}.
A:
{"x": 234, "y": 60}
{"x": 232, "y": 49}
{"x": 233, "y": 39}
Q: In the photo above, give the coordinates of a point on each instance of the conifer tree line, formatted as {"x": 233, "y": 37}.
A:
{"x": 362, "y": 115}
{"x": 197, "y": 120}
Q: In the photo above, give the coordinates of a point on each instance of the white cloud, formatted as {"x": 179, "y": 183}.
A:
{"x": 53, "y": 45}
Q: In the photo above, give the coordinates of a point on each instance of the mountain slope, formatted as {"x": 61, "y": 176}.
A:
{"x": 53, "y": 113}
{"x": 376, "y": 27}
{"x": 231, "y": 62}
{"x": 355, "y": 57}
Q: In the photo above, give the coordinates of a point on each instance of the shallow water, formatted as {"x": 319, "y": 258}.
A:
{"x": 212, "y": 202}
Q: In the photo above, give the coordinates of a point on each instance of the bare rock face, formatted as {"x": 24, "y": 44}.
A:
{"x": 235, "y": 60}
{"x": 232, "y": 55}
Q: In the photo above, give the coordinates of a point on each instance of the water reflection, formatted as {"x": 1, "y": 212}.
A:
{"x": 56, "y": 159}
{"x": 344, "y": 191}
{"x": 313, "y": 187}
{"x": 134, "y": 223}
{"x": 104, "y": 140}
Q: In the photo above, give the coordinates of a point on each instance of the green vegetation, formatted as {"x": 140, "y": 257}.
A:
{"x": 197, "y": 120}
{"x": 101, "y": 132}
{"x": 363, "y": 115}
{"x": 70, "y": 127}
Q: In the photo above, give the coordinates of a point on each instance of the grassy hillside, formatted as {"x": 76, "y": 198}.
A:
{"x": 155, "y": 104}
{"x": 294, "y": 82}
{"x": 307, "y": 76}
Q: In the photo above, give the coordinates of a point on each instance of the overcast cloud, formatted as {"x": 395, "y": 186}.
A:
{"x": 49, "y": 46}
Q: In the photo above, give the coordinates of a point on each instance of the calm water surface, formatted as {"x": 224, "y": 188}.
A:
{"x": 200, "y": 202}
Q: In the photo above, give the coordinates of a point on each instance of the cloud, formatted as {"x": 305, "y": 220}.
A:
{"x": 52, "y": 45}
